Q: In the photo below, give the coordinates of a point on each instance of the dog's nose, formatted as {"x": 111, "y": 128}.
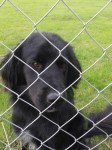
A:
{"x": 52, "y": 97}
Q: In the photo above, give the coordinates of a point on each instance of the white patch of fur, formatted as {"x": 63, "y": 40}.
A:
{"x": 26, "y": 138}
{"x": 32, "y": 146}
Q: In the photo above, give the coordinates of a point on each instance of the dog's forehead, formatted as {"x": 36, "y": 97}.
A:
{"x": 37, "y": 45}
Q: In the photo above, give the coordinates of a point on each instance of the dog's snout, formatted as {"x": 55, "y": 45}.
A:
{"x": 52, "y": 97}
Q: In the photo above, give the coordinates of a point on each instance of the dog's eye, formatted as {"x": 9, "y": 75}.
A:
{"x": 36, "y": 65}
{"x": 62, "y": 65}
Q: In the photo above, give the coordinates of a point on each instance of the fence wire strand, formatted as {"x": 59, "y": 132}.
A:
{"x": 7, "y": 144}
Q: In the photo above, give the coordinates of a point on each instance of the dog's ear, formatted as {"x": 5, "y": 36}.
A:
{"x": 74, "y": 69}
{"x": 11, "y": 71}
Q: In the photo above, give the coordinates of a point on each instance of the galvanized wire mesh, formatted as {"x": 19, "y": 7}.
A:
{"x": 8, "y": 142}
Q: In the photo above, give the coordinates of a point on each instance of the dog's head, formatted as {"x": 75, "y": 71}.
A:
{"x": 42, "y": 68}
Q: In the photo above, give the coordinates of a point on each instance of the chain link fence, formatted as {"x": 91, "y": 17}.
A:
{"x": 7, "y": 138}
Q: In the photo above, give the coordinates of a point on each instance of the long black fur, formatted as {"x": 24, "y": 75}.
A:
{"x": 39, "y": 54}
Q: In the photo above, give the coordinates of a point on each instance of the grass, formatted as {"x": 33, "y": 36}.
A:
{"x": 14, "y": 27}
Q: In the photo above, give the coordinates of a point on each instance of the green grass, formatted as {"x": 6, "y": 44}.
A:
{"x": 14, "y": 27}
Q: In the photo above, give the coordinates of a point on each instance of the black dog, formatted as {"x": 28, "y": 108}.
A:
{"x": 41, "y": 78}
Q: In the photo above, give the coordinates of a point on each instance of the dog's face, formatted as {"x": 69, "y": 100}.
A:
{"x": 47, "y": 74}
{"x": 45, "y": 71}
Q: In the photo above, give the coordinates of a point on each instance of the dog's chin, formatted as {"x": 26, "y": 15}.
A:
{"x": 51, "y": 110}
